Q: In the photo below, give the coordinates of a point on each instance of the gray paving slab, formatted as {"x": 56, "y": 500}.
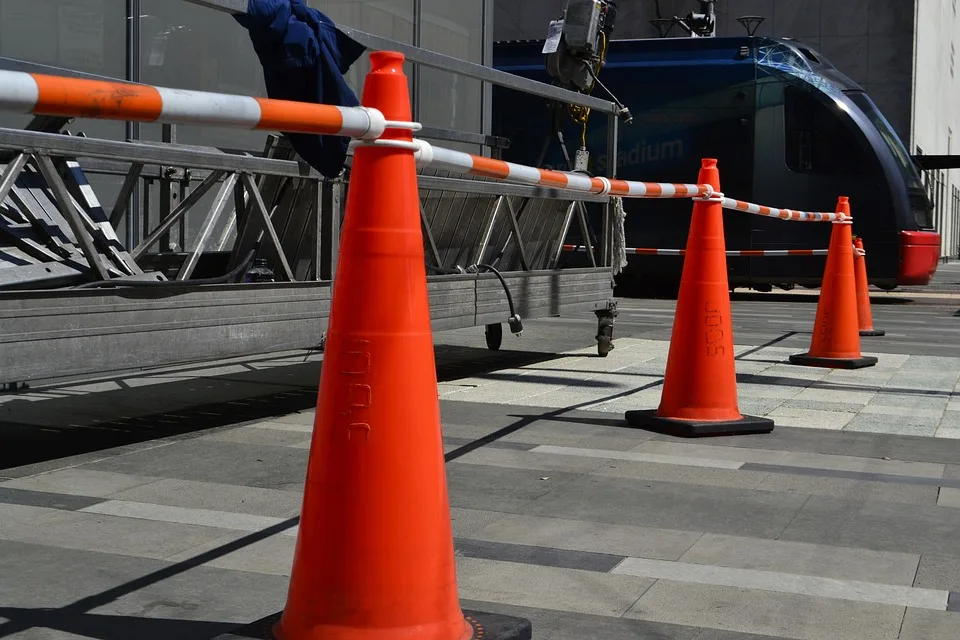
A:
{"x": 540, "y": 556}
{"x": 473, "y": 486}
{"x": 952, "y": 471}
{"x": 257, "y": 436}
{"x": 220, "y": 462}
{"x": 893, "y": 489}
{"x": 885, "y": 526}
{"x": 563, "y": 625}
{"x": 104, "y": 533}
{"x": 843, "y": 563}
{"x": 763, "y": 612}
{"x": 579, "y": 535}
{"x": 939, "y": 571}
{"x": 671, "y": 506}
{"x": 904, "y": 425}
{"x": 683, "y": 474}
{"x": 80, "y": 482}
{"x": 548, "y": 588}
{"x": 923, "y": 624}
{"x": 45, "y": 499}
{"x": 216, "y": 496}
{"x": 949, "y": 497}
{"x": 531, "y": 460}
{"x": 467, "y": 522}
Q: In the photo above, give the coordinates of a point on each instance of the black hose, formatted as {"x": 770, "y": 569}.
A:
{"x": 225, "y": 278}
{"x": 506, "y": 289}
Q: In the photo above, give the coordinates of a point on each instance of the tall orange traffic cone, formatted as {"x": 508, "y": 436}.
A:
{"x": 864, "y": 315}
{"x": 700, "y": 388}
{"x": 374, "y": 558}
{"x": 836, "y": 330}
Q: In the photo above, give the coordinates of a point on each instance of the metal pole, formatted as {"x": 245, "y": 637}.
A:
{"x": 613, "y": 132}
{"x": 132, "y": 129}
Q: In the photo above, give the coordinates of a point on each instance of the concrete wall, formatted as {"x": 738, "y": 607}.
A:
{"x": 869, "y": 40}
{"x": 935, "y": 128}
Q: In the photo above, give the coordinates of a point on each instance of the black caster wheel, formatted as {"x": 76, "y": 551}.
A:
{"x": 605, "y": 320}
{"x": 494, "y": 335}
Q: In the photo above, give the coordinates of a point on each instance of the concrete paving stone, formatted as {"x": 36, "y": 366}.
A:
{"x": 537, "y": 555}
{"x": 705, "y": 476}
{"x": 467, "y": 522}
{"x": 898, "y": 424}
{"x": 218, "y": 462}
{"x": 810, "y": 418}
{"x": 257, "y": 436}
{"x": 773, "y": 581}
{"x": 791, "y": 371}
{"x": 762, "y": 612}
{"x": 670, "y": 506}
{"x": 821, "y": 395}
{"x": 637, "y": 456}
{"x": 203, "y": 593}
{"x": 908, "y": 412}
{"x": 271, "y": 556}
{"x": 909, "y": 401}
{"x": 62, "y": 501}
{"x": 948, "y": 434}
{"x": 578, "y": 435}
{"x": 579, "y": 535}
{"x": 80, "y": 482}
{"x": 865, "y": 465}
{"x": 300, "y": 417}
{"x": 569, "y": 590}
{"x": 821, "y": 405}
{"x": 938, "y": 571}
{"x": 562, "y": 625}
{"x": 842, "y": 563}
{"x": 465, "y": 431}
{"x": 542, "y": 461}
{"x": 847, "y": 488}
{"x": 183, "y": 515}
{"x": 952, "y": 471}
{"x": 759, "y": 406}
{"x": 647, "y": 399}
{"x": 108, "y": 534}
{"x": 709, "y": 452}
{"x": 473, "y": 486}
{"x": 949, "y": 497}
{"x": 923, "y": 624}
{"x": 882, "y": 526}
{"x": 765, "y": 391}
{"x": 950, "y": 420}
{"x": 928, "y": 383}
{"x": 41, "y": 584}
{"x": 931, "y": 363}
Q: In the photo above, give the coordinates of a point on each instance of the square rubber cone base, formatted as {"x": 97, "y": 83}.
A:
{"x": 806, "y": 360}
{"x": 486, "y": 626}
{"x": 873, "y": 332}
{"x": 649, "y": 420}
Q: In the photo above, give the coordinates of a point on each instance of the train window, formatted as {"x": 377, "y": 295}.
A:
{"x": 817, "y": 139}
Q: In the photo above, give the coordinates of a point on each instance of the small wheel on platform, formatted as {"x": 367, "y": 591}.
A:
{"x": 605, "y": 320}
{"x": 494, "y": 335}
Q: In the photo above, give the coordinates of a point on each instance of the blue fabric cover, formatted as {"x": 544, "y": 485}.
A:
{"x": 304, "y": 57}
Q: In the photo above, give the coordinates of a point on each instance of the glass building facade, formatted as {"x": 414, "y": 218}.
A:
{"x": 183, "y": 45}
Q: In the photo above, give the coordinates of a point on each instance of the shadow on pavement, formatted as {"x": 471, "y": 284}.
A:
{"x": 66, "y": 420}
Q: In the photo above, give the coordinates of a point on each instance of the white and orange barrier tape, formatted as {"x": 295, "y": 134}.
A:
{"x": 46, "y": 95}
{"x": 743, "y": 253}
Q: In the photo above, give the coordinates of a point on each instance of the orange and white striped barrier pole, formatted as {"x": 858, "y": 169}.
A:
{"x": 48, "y": 95}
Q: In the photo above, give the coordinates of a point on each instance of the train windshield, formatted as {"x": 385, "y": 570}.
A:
{"x": 910, "y": 174}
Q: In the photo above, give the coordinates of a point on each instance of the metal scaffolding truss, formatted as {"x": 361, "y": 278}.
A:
{"x": 77, "y": 298}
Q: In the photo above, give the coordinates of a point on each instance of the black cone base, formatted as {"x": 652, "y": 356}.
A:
{"x": 649, "y": 420}
{"x": 872, "y": 332}
{"x": 806, "y": 360}
{"x": 486, "y": 626}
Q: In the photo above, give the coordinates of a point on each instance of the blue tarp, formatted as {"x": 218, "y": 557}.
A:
{"x": 304, "y": 57}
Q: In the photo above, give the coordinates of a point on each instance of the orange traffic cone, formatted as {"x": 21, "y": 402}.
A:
{"x": 700, "y": 388}
{"x": 836, "y": 330}
{"x": 374, "y": 557}
{"x": 864, "y": 315}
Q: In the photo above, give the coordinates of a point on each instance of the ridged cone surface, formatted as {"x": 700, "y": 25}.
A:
{"x": 701, "y": 379}
{"x": 374, "y": 557}
{"x": 836, "y": 330}
{"x": 864, "y": 313}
